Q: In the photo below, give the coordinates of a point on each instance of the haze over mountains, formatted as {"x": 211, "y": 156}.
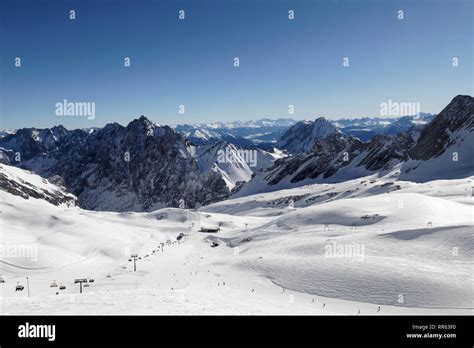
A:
{"x": 144, "y": 166}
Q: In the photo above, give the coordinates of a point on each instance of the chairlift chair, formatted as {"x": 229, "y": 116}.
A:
{"x": 62, "y": 287}
{"x": 19, "y": 287}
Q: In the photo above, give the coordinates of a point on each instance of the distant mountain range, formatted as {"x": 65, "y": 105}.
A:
{"x": 26, "y": 184}
{"x": 142, "y": 166}
{"x": 263, "y": 132}
{"x": 266, "y": 132}
{"x": 368, "y": 127}
{"x": 441, "y": 149}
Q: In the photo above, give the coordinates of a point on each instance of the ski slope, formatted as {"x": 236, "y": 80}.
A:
{"x": 272, "y": 254}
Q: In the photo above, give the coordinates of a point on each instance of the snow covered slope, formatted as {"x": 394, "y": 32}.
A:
{"x": 235, "y": 164}
{"x": 233, "y": 168}
{"x": 25, "y": 184}
{"x": 400, "y": 241}
{"x": 407, "y": 248}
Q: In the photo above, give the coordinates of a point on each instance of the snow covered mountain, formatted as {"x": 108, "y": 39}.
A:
{"x": 232, "y": 171}
{"x": 235, "y": 164}
{"x": 27, "y": 185}
{"x": 445, "y": 147}
{"x": 240, "y": 133}
{"x": 263, "y": 122}
{"x": 5, "y": 132}
{"x": 269, "y": 257}
{"x": 340, "y": 157}
{"x": 142, "y": 166}
{"x": 208, "y": 136}
{"x": 30, "y": 142}
{"x": 368, "y": 127}
{"x": 302, "y": 136}
{"x": 275, "y": 252}
{"x": 139, "y": 167}
{"x": 266, "y": 132}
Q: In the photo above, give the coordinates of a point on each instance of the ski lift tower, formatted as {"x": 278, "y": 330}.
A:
{"x": 134, "y": 257}
{"x": 80, "y": 281}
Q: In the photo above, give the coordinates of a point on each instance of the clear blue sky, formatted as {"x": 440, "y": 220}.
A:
{"x": 190, "y": 62}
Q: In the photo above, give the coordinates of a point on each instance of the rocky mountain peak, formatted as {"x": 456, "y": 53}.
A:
{"x": 302, "y": 136}
{"x": 442, "y": 150}
{"x": 437, "y": 135}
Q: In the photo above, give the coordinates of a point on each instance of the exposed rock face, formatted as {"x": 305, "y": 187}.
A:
{"x": 323, "y": 160}
{"x": 7, "y": 156}
{"x": 144, "y": 166}
{"x": 339, "y": 157}
{"x": 384, "y": 151}
{"x": 437, "y": 135}
{"x": 30, "y": 142}
{"x": 304, "y": 135}
{"x": 139, "y": 167}
{"x": 331, "y": 154}
{"x": 235, "y": 164}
